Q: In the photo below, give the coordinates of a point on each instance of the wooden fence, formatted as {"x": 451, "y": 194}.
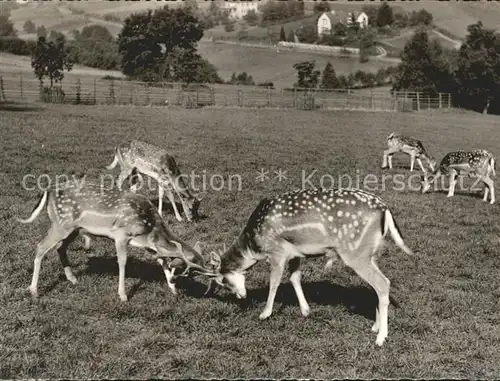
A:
{"x": 123, "y": 92}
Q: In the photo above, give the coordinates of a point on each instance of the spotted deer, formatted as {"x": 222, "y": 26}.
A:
{"x": 477, "y": 163}
{"x": 125, "y": 217}
{"x": 346, "y": 223}
{"x": 137, "y": 157}
{"x": 412, "y": 147}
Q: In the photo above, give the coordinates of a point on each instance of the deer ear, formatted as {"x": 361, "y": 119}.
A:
{"x": 197, "y": 247}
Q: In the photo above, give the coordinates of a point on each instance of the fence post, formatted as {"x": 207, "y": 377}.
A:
{"x": 2, "y": 90}
{"x": 449, "y": 100}
{"x": 428, "y": 102}
{"x": 418, "y": 101}
{"x": 21, "y": 85}
{"x": 294, "y": 97}
{"x": 440, "y": 101}
{"x": 268, "y": 96}
{"x": 240, "y": 101}
{"x": 95, "y": 91}
{"x": 348, "y": 96}
{"x": 371, "y": 100}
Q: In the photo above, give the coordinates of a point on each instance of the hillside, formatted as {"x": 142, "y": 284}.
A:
{"x": 451, "y": 16}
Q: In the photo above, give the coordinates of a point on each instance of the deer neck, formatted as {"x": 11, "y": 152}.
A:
{"x": 240, "y": 256}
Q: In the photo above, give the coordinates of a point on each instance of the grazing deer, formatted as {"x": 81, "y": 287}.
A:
{"x": 125, "y": 217}
{"x": 409, "y": 146}
{"x": 476, "y": 163}
{"x": 349, "y": 223}
{"x": 139, "y": 157}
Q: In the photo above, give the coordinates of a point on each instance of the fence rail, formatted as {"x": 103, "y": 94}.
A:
{"x": 123, "y": 92}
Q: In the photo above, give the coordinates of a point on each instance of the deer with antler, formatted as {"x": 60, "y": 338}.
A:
{"x": 409, "y": 146}
{"x": 477, "y": 163}
{"x": 125, "y": 217}
{"x": 137, "y": 157}
{"x": 346, "y": 223}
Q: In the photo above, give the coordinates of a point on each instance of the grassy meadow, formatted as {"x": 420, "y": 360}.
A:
{"x": 447, "y": 318}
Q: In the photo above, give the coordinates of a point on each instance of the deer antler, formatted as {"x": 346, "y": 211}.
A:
{"x": 189, "y": 264}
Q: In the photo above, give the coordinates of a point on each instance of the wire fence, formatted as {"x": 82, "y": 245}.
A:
{"x": 93, "y": 91}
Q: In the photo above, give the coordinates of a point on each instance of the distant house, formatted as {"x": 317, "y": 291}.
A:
{"x": 237, "y": 10}
{"x": 328, "y": 19}
{"x": 361, "y": 19}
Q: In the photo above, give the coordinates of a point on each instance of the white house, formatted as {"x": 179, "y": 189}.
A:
{"x": 328, "y": 19}
{"x": 239, "y": 9}
{"x": 361, "y": 19}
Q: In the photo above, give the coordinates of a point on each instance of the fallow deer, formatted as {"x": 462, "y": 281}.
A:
{"x": 477, "y": 163}
{"x": 125, "y": 217}
{"x": 137, "y": 157}
{"x": 349, "y": 223}
{"x": 412, "y": 147}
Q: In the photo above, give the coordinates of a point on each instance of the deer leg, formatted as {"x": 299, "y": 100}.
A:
{"x": 124, "y": 173}
{"x": 53, "y": 237}
{"x": 412, "y": 162}
{"x": 63, "y": 256}
{"x": 169, "y": 275}
{"x": 296, "y": 275}
{"x": 388, "y": 155}
{"x": 419, "y": 161}
{"x": 373, "y": 276}
{"x": 278, "y": 262}
{"x": 170, "y": 196}
{"x": 453, "y": 183}
{"x": 121, "y": 253}
{"x": 490, "y": 185}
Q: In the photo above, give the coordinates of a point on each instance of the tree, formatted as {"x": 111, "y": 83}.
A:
{"x": 282, "y": 34}
{"x": 291, "y": 36}
{"x": 371, "y": 11}
{"x": 49, "y": 59}
{"x": 41, "y": 31}
{"x": 307, "y": 34}
{"x": 384, "y": 15}
{"x": 321, "y": 7}
{"x": 422, "y": 67}
{"x": 340, "y": 29}
{"x": 6, "y": 27}
{"x": 94, "y": 46}
{"x": 251, "y": 17}
{"x": 421, "y": 17}
{"x": 478, "y": 69}
{"x": 329, "y": 78}
{"x": 366, "y": 41}
{"x": 148, "y": 39}
{"x": 353, "y": 23}
{"x": 54, "y": 35}
{"x": 29, "y": 27}
{"x": 307, "y": 74}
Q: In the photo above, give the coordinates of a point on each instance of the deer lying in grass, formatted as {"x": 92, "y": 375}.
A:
{"x": 137, "y": 157}
{"x": 476, "y": 163}
{"x": 348, "y": 223}
{"x": 125, "y": 217}
{"x": 412, "y": 147}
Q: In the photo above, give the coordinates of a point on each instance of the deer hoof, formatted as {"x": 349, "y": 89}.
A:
{"x": 264, "y": 315}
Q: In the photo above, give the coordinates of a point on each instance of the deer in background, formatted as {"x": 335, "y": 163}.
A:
{"x": 137, "y": 157}
{"x": 346, "y": 223}
{"x": 125, "y": 217}
{"x": 412, "y": 147}
{"x": 476, "y": 163}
